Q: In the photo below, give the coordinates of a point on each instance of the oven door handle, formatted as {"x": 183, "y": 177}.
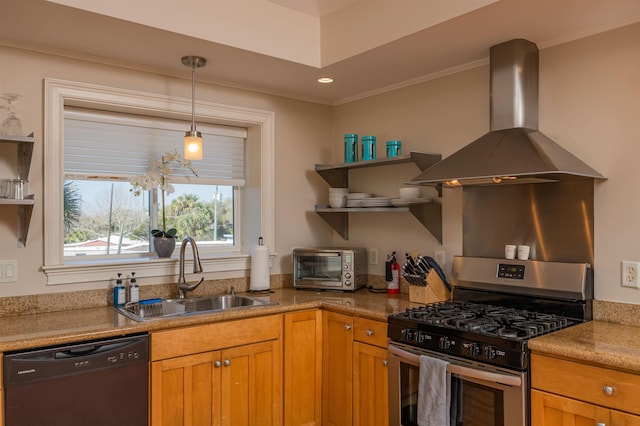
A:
{"x": 460, "y": 370}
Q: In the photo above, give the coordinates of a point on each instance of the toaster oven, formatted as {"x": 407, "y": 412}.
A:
{"x": 330, "y": 268}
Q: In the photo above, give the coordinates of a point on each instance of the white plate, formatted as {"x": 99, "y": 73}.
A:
{"x": 376, "y": 202}
{"x": 401, "y": 202}
{"x": 358, "y": 195}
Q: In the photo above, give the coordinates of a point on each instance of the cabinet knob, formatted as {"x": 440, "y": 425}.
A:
{"x": 227, "y": 362}
{"x": 608, "y": 390}
{"x": 217, "y": 364}
{"x": 347, "y": 326}
{"x": 385, "y": 362}
{"x": 369, "y": 332}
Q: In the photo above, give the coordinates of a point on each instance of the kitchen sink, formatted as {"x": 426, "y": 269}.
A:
{"x": 169, "y": 308}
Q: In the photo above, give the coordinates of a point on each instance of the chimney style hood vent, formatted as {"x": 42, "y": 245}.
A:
{"x": 514, "y": 151}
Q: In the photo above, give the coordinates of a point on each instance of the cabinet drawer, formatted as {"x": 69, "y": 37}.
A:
{"x": 586, "y": 382}
{"x": 370, "y": 331}
{"x": 214, "y": 336}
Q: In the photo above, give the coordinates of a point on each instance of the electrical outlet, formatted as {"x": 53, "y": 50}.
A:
{"x": 438, "y": 256}
{"x": 630, "y": 274}
{"x": 373, "y": 256}
{"x": 8, "y": 271}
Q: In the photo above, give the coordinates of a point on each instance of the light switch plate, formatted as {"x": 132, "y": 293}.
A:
{"x": 8, "y": 270}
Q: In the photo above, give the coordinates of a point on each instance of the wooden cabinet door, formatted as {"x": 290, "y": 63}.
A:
{"x": 1, "y": 394}
{"x": 185, "y": 390}
{"x": 303, "y": 368}
{"x": 554, "y": 410}
{"x": 370, "y": 385}
{"x": 337, "y": 372}
{"x": 251, "y": 385}
{"x": 624, "y": 419}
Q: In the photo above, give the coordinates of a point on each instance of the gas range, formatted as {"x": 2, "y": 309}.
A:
{"x": 497, "y": 306}
{"x": 493, "y": 334}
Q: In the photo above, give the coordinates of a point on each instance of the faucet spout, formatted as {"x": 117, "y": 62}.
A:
{"x": 183, "y": 286}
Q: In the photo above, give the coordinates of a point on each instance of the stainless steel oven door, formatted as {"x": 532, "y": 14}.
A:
{"x": 482, "y": 395}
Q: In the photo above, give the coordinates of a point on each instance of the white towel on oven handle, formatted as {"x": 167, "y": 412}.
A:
{"x": 434, "y": 392}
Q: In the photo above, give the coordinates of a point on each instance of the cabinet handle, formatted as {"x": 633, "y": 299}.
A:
{"x": 369, "y": 333}
{"x": 385, "y": 362}
{"x": 608, "y": 390}
{"x": 217, "y": 364}
{"x": 227, "y": 362}
{"x": 601, "y": 424}
{"x": 347, "y": 327}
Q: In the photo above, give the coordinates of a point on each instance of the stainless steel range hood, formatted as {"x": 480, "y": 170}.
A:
{"x": 514, "y": 151}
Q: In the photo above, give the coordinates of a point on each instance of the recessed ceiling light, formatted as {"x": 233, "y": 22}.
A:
{"x": 325, "y": 80}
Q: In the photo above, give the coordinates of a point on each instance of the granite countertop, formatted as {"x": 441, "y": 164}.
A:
{"x": 36, "y": 330}
{"x": 597, "y": 342}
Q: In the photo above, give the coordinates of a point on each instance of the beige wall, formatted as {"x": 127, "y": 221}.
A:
{"x": 589, "y": 104}
{"x": 302, "y": 138}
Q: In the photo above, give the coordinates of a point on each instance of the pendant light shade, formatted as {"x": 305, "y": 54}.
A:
{"x": 193, "y": 138}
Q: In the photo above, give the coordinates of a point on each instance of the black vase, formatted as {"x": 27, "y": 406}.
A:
{"x": 164, "y": 246}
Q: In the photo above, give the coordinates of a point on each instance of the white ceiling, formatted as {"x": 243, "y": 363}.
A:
{"x": 282, "y": 46}
{"x": 317, "y": 8}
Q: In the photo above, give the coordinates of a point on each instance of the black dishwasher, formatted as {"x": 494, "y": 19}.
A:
{"x": 101, "y": 382}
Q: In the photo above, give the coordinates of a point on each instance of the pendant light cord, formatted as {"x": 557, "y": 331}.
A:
{"x": 193, "y": 98}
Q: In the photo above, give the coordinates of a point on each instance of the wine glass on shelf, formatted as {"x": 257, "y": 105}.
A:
{"x": 11, "y": 125}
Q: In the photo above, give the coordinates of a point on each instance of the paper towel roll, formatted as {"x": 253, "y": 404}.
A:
{"x": 259, "y": 278}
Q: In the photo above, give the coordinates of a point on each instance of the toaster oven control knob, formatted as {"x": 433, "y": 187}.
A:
{"x": 444, "y": 343}
{"x": 347, "y": 275}
{"x": 474, "y": 349}
{"x": 347, "y": 283}
{"x": 490, "y": 352}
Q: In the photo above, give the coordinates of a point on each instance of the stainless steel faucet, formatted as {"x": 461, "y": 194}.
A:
{"x": 183, "y": 287}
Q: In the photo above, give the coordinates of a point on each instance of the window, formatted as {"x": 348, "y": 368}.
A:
{"x": 251, "y": 198}
{"x": 103, "y": 151}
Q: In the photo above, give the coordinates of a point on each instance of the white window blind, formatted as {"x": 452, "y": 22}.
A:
{"x": 116, "y": 145}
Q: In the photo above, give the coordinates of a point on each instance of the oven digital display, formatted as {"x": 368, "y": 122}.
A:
{"x": 511, "y": 271}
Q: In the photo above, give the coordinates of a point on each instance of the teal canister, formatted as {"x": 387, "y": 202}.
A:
{"x": 350, "y": 147}
{"x": 394, "y": 149}
{"x": 368, "y": 147}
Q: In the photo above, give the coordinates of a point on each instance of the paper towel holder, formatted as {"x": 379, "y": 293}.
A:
{"x": 259, "y": 279}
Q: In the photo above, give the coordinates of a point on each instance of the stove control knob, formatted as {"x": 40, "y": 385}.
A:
{"x": 490, "y": 352}
{"x": 444, "y": 343}
{"x": 475, "y": 349}
{"x": 409, "y": 334}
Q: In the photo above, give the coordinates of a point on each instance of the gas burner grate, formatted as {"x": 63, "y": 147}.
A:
{"x": 498, "y": 321}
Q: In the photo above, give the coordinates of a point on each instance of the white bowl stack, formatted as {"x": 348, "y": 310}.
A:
{"x": 409, "y": 193}
{"x": 338, "y": 197}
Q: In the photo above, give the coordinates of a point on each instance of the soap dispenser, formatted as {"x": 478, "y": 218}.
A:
{"x": 119, "y": 293}
{"x": 134, "y": 289}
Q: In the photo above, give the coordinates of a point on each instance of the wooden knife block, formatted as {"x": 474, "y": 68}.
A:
{"x": 434, "y": 291}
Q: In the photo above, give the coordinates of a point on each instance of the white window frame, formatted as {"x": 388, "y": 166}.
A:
{"x": 260, "y": 125}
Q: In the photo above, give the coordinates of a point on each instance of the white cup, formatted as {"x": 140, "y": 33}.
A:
{"x": 523, "y": 252}
{"x": 510, "y": 251}
{"x": 337, "y": 201}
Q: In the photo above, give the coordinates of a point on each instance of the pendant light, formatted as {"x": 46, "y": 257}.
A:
{"x": 193, "y": 138}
